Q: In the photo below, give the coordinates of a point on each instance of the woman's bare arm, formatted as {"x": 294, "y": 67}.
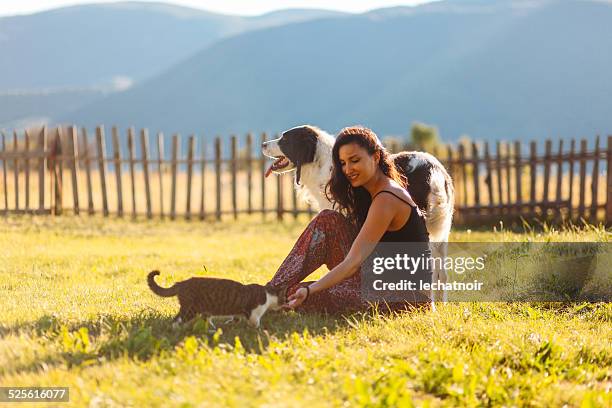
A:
{"x": 380, "y": 215}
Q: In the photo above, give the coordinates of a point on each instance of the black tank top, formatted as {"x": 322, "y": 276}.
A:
{"x": 414, "y": 230}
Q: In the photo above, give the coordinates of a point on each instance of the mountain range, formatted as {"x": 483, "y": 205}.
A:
{"x": 492, "y": 69}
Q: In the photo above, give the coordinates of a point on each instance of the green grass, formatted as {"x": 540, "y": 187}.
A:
{"x": 75, "y": 311}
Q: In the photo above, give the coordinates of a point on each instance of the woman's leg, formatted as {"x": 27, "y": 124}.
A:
{"x": 325, "y": 241}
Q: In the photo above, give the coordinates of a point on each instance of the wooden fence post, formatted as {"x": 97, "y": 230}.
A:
{"x": 173, "y": 166}
{"x": 16, "y": 168}
{"x": 118, "y": 165}
{"x": 59, "y": 173}
{"x": 160, "y": 171}
{"x": 218, "y": 178}
{"x": 263, "y": 178}
{"x": 558, "y": 196}
{"x": 27, "y": 170}
{"x": 498, "y": 171}
{"x": 518, "y": 169}
{"x": 131, "y": 156}
{"x": 609, "y": 183}
{"x": 144, "y": 144}
{"x": 547, "y": 163}
{"x": 234, "y": 178}
{"x": 102, "y": 165}
{"x": 581, "y": 202}
{"x": 42, "y": 164}
{"x": 595, "y": 182}
{"x": 450, "y": 165}
{"x": 532, "y": 171}
{"x": 462, "y": 166}
{"x": 571, "y": 177}
{"x": 190, "y": 148}
{"x": 249, "y": 165}
{"x": 202, "y": 177}
{"x": 74, "y": 168}
{"x": 87, "y": 162}
{"x": 489, "y": 178}
{"x": 4, "y": 173}
{"x": 476, "y": 175}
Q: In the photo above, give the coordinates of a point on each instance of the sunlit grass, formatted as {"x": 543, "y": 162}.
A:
{"x": 75, "y": 311}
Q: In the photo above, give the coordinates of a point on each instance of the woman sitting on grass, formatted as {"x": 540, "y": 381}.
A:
{"x": 373, "y": 205}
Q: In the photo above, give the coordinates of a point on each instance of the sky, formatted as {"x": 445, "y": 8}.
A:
{"x": 240, "y": 7}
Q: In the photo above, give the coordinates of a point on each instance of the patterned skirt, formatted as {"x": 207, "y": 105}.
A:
{"x": 326, "y": 241}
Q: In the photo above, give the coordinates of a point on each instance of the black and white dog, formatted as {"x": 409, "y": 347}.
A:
{"x": 308, "y": 150}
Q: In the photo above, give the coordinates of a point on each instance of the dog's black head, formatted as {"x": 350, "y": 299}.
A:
{"x": 296, "y": 147}
{"x": 299, "y": 145}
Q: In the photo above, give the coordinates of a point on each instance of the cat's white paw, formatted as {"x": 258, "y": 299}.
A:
{"x": 254, "y": 322}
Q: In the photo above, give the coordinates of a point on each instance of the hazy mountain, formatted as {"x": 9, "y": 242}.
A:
{"x": 92, "y": 44}
{"x": 56, "y": 61}
{"x": 490, "y": 69}
{"x": 22, "y": 110}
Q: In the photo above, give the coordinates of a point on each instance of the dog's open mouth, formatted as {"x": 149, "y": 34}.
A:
{"x": 279, "y": 164}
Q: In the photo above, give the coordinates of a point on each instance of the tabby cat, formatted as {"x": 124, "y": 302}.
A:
{"x": 212, "y": 297}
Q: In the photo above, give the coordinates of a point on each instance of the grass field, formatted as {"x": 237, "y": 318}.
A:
{"x": 75, "y": 311}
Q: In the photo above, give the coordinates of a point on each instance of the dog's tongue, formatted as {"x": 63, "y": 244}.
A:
{"x": 272, "y": 166}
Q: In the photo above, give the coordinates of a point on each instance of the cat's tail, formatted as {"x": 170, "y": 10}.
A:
{"x": 158, "y": 290}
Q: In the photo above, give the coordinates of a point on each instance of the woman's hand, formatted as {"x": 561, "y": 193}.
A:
{"x": 297, "y": 298}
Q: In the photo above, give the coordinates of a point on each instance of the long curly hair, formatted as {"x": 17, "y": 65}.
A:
{"x": 354, "y": 202}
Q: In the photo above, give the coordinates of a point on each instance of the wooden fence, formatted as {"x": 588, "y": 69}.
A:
{"x": 562, "y": 183}
{"x": 128, "y": 176}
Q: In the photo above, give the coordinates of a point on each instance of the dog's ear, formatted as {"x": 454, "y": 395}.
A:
{"x": 299, "y": 145}
{"x": 306, "y": 154}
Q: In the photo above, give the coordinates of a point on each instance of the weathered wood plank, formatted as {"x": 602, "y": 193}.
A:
{"x": 144, "y": 146}
{"x": 572, "y": 158}
{"x": 132, "y": 163}
{"x": 532, "y": 173}
{"x": 609, "y": 184}
{"x": 218, "y": 178}
{"x": 547, "y": 164}
{"x": 489, "y": 178}
{"x": 249, "y": 169}
{"x": 173, "y": 167}
{"x": 463, "y": 177}
{"x": 160, "y": 172}
{"x": 498, "y": 171}
{"x": 4, "y": 173}
{"x": 102, "y": 166}
{"x": 87, "y": 162}
{"x": 42, "y": 166}
{"x": 58, "y": 169}
{"x": 582, "y": 191}
{"x": 16, "y": 169}
{"x": 558, "y": 192}
{"x": 202, "y": 177}
{"x": 190, "y": 150}
{"x": 263, "y": 177}
{"x": 118, "y": 165}
{"x": 26, "y": 152}
{"x": 74, "y": 163}
{"x": 476, "y": 176}
{"x": 518, "y": 169}
{"x": 233, "y": 164}
{"x": 595, "y": 183}
{"x": 509, "y": 156}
